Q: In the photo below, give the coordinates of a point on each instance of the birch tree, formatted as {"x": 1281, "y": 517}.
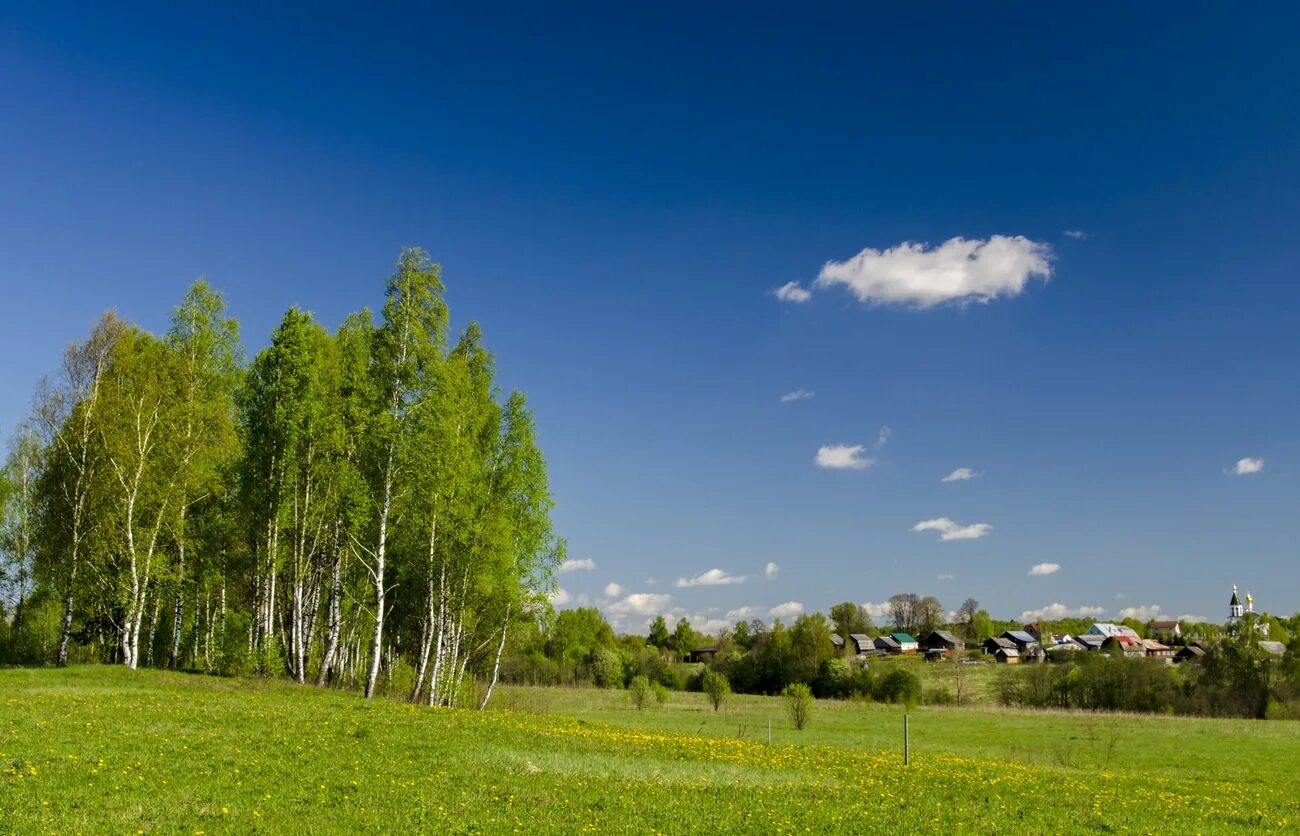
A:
{"x": 205, "y": 348}
{"x": 137, "y": 439}
{"x": 407, "y": 350}
{"x": 68, "y": 412}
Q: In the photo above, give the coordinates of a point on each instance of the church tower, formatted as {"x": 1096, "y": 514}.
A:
{"x": 1235, "y": 611}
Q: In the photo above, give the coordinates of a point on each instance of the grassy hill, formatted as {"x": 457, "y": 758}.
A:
{"x": 108, "y": 750}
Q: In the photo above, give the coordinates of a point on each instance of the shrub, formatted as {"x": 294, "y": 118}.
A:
{"x": 661, "y": 693}
{"x": 638, "y": 691}
{"x": 900, "y": 686}
{"x": 606, "y": 668}
{"x": 399, "y": 680}
{"x": 798, "y": 704}
{"x": 716, "y": 687}
{"x": 835, "y": 679}
{"x": 939, "y": 696}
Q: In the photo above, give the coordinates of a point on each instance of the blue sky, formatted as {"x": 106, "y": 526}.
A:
{"x": 616, "y": 195}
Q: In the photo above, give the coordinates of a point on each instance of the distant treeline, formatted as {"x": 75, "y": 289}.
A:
{"x": 1235, "y": 678}
{"x": 359, "y": 507}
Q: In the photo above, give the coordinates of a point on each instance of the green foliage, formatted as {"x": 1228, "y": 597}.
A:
{"x": 798, "y": 704}
{"x": 658, "y": 633}
{"x": 639, "y": 691}
{"x": 899, "y": 686}
{"x": 606, "y": 668}
{"x": 716, "y": 688}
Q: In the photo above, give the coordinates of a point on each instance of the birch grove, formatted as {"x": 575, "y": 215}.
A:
{"x": 358, "y": 507}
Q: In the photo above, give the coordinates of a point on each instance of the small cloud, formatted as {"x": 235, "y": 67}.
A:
{"x": 949, "y": 530}
{"x": 710, "y": 626}
{"x": 713, "y": 577}
{"x": 1077, "y": 234}
{"x": 959, "y": 270}
{"x": 1044, "y": 568}
{"x": 1119, "y": 596}
{"x": 947, "y": 577}
{"x": 558, "y": 597}
{"x": 585, "y": 564}
{"x": 787, "y": 610}
{"x": 613, "y": 590}
{"x": 651, "y": 581}
{"x": 798, "y": 395}
{"x": 961, "y": 474}
{"x": 1245, "y": 467}
{"x": 1141, "y": 613}
{"x": 843, "y": 457}
{"x": 771, "y": 570}
{"x": 641, "y": 603}
{"x": 882, "y": 438}
{"x": 878, "y": 612}
{"x": 746, "y": 613}
{"x": 793, "y": 292}
{"x": 1192, "y": 619}
{"x": 1051, "y": 612}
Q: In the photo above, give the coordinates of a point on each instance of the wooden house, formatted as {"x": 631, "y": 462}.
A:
{"x": 1021, "y": 639}
{"x": 1006, "y": 656}
{"x": 942, "y": 642}
{"x": 888, "y": 644}
{"x": 993, "y": 645}
{"x": 861, "y": 643}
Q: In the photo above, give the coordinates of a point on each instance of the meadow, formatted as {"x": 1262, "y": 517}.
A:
{"x": 98, "y": 749}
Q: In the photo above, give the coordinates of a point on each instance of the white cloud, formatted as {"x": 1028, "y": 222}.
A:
{"x": 1245, "y": 467}
{"x": 949, "y": 530}
{"x": 787, "y": 610}
{"x": 843, "y": 457}
{"x": 710, "y": 626}
{"x": 559, "y": 597}
{"x": 878, "y": 612}
{"x": 585, "y": 564}
{"x": 793, "y": 292}
{"x": 641, "y": 603}
{"x": 1052, "y": 612}
{"x": 882, "y": 438}
{"x": 1044, "y": 568}
{"x": 1192, "y": 619}
{"x": 1141, "y": 613}
{"x": 797, "y": 395}
{"x": 1077, "y": 234}
{"x": 771, "y": 570}
{"x": 613, "y": 590}
{"x": 746, "y": 613}
{"x": 713, "y": 577}
{"x": 959, "y": 270}
{"x": 947, "y": 577}
{"x": 961, "y": 474}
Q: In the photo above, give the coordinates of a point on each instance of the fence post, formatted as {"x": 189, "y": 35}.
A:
{"x": 906, "y": 749}
{"x": 769, "y": 731}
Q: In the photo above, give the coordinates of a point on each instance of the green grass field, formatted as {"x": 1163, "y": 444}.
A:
{"x": 106, "y": 750}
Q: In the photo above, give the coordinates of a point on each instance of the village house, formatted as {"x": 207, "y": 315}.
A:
{"x": 1127, "y": 645}
{"x": 1021, "y": 639}
{"x": 1156, "y": 650}
{"x": 888, "y": 644}
{"x": 703, "y": 654}
{"x": 1191, "y": 652}
{"x": 861, "y": 643}
{"x": 942, "y": 643}
{"x": 906, "y": 644}
{"x": 992, "y": 645}
{"x": 837, "y": 641}
{"x": 1166, "y": 630}
{"x": 1107, "y": 630}
{"x": 1006, "y": 656}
